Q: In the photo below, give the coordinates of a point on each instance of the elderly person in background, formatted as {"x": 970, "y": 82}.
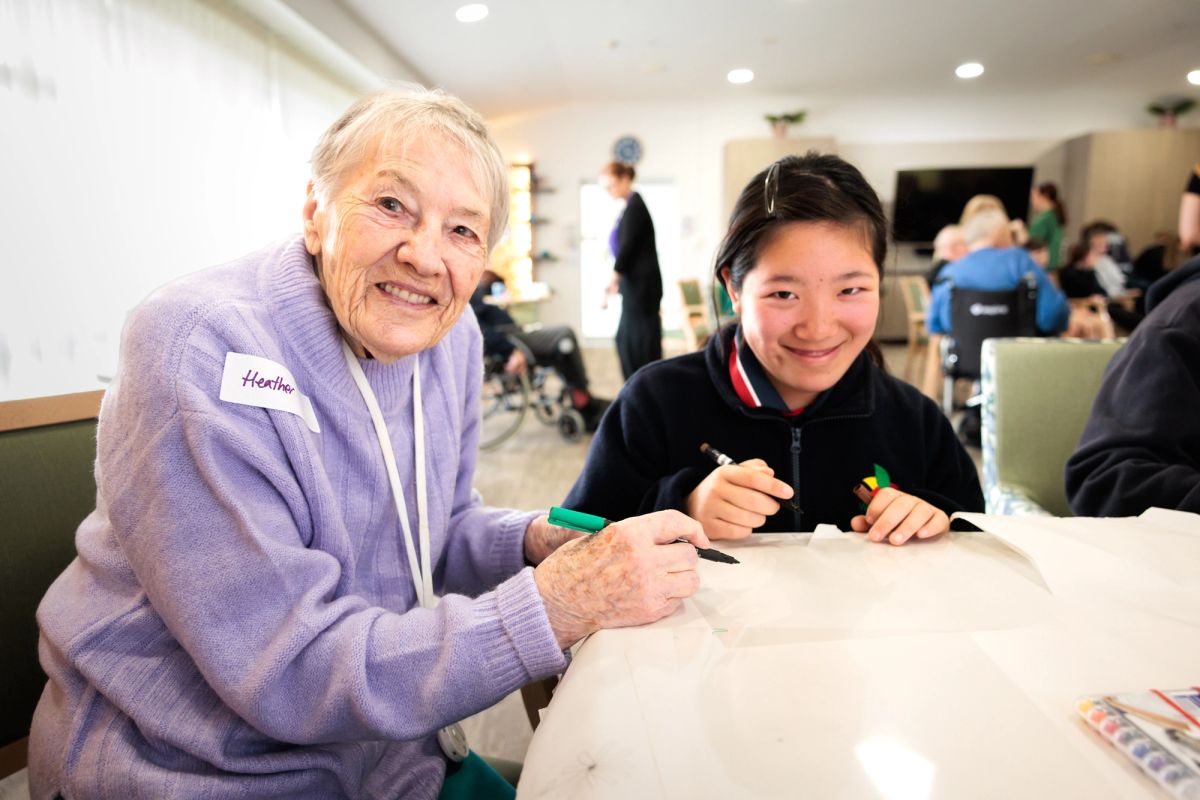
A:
{"x": 948, "y": 246}
{"x": 994, "y": 264}
{"x": 989, "y": 202}
{"x": 979, "y": 203}
{"x": 288, "y": 587}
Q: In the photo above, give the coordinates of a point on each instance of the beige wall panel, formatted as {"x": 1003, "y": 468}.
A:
{"x": 744, "y": 158}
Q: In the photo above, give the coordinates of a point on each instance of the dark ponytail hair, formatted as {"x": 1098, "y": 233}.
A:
{"x": 811, "y": 188}
{"x": 619, "y": 170}
{"x": 1049, "y": 191}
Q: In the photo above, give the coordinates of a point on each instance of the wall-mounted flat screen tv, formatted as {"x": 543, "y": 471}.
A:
{"x": 928, "y": 199}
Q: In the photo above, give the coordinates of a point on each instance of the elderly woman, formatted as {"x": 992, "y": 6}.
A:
{"x": 288, "y": 587}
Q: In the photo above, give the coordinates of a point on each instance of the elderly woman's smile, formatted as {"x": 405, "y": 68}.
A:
{"x": 400, "y": 246}
{"x": 304, "y": 474}
{"x": 413, "y": 298}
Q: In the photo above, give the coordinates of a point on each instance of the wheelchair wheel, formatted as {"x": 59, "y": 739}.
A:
{"x": 570, "y": 425}
{"x": 548, "y": 396}
{"x": 503, "y": 401}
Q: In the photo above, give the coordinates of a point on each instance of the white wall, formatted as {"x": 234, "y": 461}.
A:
{"x": 683, "y": 143}
{"x": 142, "y": 139}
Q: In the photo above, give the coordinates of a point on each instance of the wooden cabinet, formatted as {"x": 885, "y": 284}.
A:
{"x": 1134, "y": 179}
{"x": 745, "y": 158}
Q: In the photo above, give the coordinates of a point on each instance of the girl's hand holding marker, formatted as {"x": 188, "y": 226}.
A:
{"x": 892, "y": 514}
{"x": 734, "y": 499}
{"x": 737, "y": 498}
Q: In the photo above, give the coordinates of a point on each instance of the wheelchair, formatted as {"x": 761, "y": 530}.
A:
{"x": 507, "y": 399}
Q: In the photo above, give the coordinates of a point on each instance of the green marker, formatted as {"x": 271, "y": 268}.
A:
{"x": 591, "y": 524}
{"x": 576, "y": 520}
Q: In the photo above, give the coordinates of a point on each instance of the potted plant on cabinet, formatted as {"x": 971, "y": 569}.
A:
{"x": 781, "y": 122}
{"x": 1170, "y": 109}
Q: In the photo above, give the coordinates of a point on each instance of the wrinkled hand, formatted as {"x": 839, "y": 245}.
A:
{"x": 897, "y": 517}
{"x": 542, "y": 539}
{"x": 631, "y": 573}
{"x": 517, "y": 363}
{"x": 736, "y": 498}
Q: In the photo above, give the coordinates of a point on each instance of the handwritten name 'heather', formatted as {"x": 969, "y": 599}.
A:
{"x": 277, "y": 383}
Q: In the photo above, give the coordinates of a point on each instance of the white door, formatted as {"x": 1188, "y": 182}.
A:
{"x": 598, "y": 213}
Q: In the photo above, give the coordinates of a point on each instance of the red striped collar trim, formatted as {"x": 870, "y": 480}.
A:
{"x": 750, "y": 381}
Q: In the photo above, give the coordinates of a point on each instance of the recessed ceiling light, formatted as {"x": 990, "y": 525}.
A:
{"x": 971, "y": 69}
{"x": 1194, "y": 77}
{"x": 472, "y": 12}
{"x": 740, "y": 75}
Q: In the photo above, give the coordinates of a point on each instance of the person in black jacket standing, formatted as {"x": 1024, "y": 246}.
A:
{"x": 635, "y": 273}
{"x": 1141, "y": 444}
{"x": 794, "y": 391}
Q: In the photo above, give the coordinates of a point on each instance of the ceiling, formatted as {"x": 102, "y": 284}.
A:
{"x": 532, "y": 54}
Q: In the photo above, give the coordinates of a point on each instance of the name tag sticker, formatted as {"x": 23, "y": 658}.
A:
{"x": 260, "y": 382}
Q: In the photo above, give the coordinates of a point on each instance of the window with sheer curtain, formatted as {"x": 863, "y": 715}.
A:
{"x": 139, "y": 140}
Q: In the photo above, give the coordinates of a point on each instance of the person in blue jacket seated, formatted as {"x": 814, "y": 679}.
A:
{"x": 1141, "y": 444}
{"x": 994, "y": 264}
{"x": 552, "y": 345}
{"x": 794, "y": 391}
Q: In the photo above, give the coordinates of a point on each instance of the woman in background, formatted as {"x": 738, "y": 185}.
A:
{"x": 980, "y": 202}
{"x": 1049, "y": 218}
{"x": 635, "y": 273}
{"x": 1091, "y": 275}
{"x": 989, "y": 202}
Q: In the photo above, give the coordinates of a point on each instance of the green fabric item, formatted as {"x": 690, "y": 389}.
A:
{"x": 1037, "y": 394}
{"x": 724, "y": 304}
{"x": 1045, "y": 227}
{"x": 475, "y": 779}
{"x": 882, "y": 478}
{"x": 48, "y": 486}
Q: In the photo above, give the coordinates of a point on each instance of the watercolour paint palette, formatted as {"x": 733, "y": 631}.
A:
{"x": 1159, "y": 730}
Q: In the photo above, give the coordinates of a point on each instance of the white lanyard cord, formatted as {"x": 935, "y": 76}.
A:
{"x": 422, "y": 575}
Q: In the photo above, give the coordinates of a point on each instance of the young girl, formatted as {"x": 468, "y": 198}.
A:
{"x": 794, "y": 392}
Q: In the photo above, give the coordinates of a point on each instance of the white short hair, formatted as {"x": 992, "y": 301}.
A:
{"x": 946, "y": 237}
{"x": 983, "y": 226}
{"x": 398, "y": 114}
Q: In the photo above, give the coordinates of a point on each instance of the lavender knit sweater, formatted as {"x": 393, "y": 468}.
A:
{"x": 240, "y": 620}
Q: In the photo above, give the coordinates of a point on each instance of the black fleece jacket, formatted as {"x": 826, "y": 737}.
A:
{"x": 646, "y": 457}
{"x": 1141, "y": 445}
{"x": 636, "y": 259}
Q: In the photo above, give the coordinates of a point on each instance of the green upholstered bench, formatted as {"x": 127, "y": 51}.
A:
{"x": 47, "y": 487}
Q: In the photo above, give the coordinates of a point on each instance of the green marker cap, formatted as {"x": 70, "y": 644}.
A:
{"x": 576, "y": 520}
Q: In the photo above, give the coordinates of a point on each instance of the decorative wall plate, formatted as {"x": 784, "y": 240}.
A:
{"x": 628, "y": 150}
